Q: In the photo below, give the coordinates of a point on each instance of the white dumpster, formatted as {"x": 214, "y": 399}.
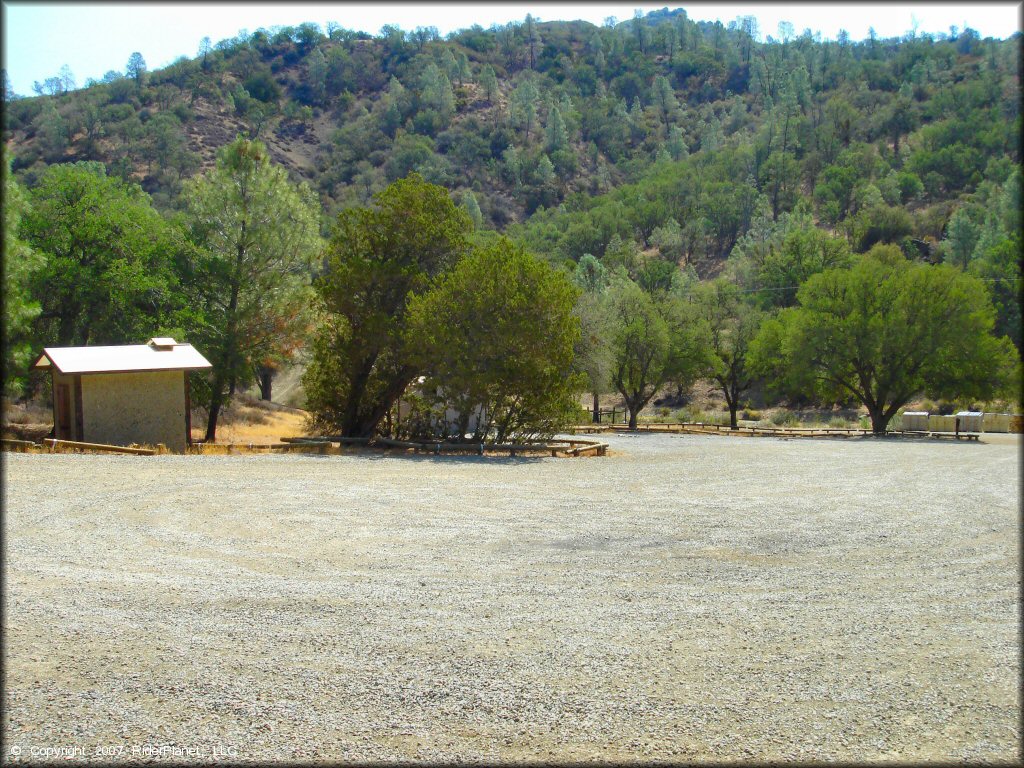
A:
{"x": 915, "y": 421}
{"x": 995, "y": 422}
{"x": 969, "y": 421}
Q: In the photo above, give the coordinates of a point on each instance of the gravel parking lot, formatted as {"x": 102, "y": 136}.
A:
{"x": 687, "y": 598}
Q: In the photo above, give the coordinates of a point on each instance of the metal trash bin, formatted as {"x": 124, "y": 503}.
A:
{"x": 915, "y": 421}
{"x": 995, "y": 422}
{"x": 969, "y": 421}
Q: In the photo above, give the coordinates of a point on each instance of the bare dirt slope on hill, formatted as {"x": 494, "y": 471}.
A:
{"x": 688, "y": 599}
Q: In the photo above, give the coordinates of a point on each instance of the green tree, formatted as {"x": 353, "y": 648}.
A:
{"x": 732, "y": 324}
{"x": 395, "y": 107}
{"x": 961, "y": 237}
{"x": 676, "y": 144}
{"x": 523, "y": 106}
{"x": 52, "y": 132}
{"x": 463, "y": 69}
{"x": 469, "y": 202}
{"x": 556, "y": 137}
{"x": 590, "y": 275}
{"x": 436, "y": 95}
{"x": 593, "y": 356}
{"x": 878, "y": 223}
{"x": 205, "y": 46}
{"x": 1000, "y": 267}
{"x": 107, "y": 276}
{"x": 668, "y": 239}
{"x": 594, "y": 309}
{"x": 376, "y": 258}
{"x": 665, "y": 100}
{"x": 489, "y": 82}
{"x": 640, "y": 347}
{"x": 136, "y": 69}
{"x": 883, "y": 332}
{"x": 688, "y": 337}
{"x": 20, "y": 308}
{"x": 449, "y": 65}
{"x": 805, "y": 251}
{"x": 494, "y": 338}
{"x": 316, "y": 67}
{"x": 259, "y": 239}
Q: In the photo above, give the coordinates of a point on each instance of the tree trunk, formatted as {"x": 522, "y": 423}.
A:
{"x": 879, "y": 421}
{"x": 216, "y": 398}
{"x": 597, "y": 409}
{"x": 265, "y": 381}
{"x": 463, "y": 425}
{"x": 350, "y": 426}
{"x": 632, "y": 418}
{"x": 733, "y": 424}
{"x": 367, "y": 425}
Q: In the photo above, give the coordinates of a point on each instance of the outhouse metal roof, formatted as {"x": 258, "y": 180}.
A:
{"x": 159, "y": 354}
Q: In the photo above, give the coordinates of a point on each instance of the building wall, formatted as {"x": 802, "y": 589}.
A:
{"x": 145, "y": 408}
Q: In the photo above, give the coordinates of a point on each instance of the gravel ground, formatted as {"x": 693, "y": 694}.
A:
{"x": 687, "y": 598}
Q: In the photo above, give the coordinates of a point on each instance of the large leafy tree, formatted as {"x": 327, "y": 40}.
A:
{"x": 732, "y": 324}
{"x": 884, "y": 331}
{"x": 107, "y": 277}
{"x": 804, "y": 251}
{"x": 595, "y": 312}
{"x": 1000, "y": 266}
{"x": 641, "y": 347}
{"x": 258, "y": 235}
{"x": 377, "y": 257}
{"x": 495, "y": 338}
{"x": 20, "y": 308}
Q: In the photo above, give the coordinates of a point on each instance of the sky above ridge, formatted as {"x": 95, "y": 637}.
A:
{"x": 94, "y": 38}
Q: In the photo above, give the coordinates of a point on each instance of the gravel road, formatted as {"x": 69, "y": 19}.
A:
{"x": 687, "y": 598}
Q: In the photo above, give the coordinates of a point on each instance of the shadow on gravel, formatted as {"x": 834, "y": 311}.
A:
{"x": 379, "y": 455}
{"x": 452, "y": 459}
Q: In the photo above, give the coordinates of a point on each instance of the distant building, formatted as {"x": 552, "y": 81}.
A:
{"x": 136, "y": 393}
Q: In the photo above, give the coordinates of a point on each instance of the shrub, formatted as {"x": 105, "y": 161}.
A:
{"x": 785, "y": 419}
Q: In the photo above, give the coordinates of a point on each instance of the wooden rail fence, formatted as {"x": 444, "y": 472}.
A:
{"x": 700, "y": 428}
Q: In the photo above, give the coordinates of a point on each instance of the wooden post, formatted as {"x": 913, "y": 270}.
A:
{"x": 188, "y": 410}
{"x": 79, "y": 418}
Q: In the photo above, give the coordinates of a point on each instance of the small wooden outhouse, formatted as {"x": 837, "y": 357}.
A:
{"x": 136, "y": 393}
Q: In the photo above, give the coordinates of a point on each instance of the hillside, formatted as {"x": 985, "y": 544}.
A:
{"x": 660, "y": 150}
{"x": 566, "y": 116}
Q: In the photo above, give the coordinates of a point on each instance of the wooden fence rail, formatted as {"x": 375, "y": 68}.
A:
{"x": 57, "y": 445}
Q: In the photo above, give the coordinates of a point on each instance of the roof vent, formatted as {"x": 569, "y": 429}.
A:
{"x": 162, "y": 343}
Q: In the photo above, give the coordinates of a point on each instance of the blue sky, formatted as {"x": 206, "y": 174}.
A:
{"x": 93, "y": 38}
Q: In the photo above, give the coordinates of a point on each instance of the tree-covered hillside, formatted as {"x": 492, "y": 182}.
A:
{"x": 657, "y": 151}
{"x": 541, "y": 115}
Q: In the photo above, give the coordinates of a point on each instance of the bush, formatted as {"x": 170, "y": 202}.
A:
{"x": 785, "y": 419}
